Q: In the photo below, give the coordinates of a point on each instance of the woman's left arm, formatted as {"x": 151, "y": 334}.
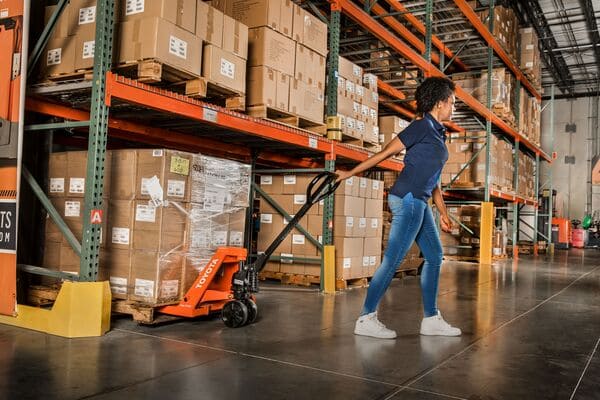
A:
{"x": 438, "y": 200}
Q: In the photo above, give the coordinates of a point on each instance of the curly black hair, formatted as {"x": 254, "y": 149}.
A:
{"x": 432, "y": 91}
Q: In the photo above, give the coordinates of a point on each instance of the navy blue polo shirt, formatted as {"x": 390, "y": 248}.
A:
{"x": 426, "y": 154}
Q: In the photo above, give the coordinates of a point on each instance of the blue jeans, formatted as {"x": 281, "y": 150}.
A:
{"x": 412, "y": 220}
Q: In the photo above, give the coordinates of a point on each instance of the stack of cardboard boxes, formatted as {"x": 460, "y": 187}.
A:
{"x": 506, "y": 27}
{"x": 189, "y": 36}
{"x": 166, "y": 212}
{"x": 389, "y": 127}
{"x": 357, "y": 226}
{"x": 460, "y": 242}
{"x": 476, "y": 85}
{"x": 461, "y": 150}
{"x": 530, "y": 58}
{"x": 358, "y": 102}
{"x": 530, "y": 117}
{"x": 526, "y": 187}
{"x": 287, "y": 56}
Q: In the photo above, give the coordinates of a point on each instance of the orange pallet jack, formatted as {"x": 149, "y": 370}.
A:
{"x": 11, "y": 41}
{"x": 228, "y": 283}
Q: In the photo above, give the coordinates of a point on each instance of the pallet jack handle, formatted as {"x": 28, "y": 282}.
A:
{"x": 320, "y": 187}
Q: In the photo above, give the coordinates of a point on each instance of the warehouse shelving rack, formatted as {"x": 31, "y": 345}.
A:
{"x": 369, "y": 28}
{"x": 153, "y": 116}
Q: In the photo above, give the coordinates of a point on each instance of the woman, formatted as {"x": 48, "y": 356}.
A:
{"x": 426, "y": 153}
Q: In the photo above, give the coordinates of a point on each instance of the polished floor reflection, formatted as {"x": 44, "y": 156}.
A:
{"x": 531, "y": 330}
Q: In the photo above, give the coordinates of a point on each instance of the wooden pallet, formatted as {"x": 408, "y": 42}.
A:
{"x": 461, "y": 258}
{"x": 500, "y": 257}
{"x": 290, "y": 279}
{"x": 153, "y": 71}
{"x": 403, "y": 273}
{"x": 374, "y": 147}
{"x": 142, "y": 313}
{"x": 201, "y": 88}
{"x": 345, "y": 284}
{"x": 80, "y": 75}
{"x": 467, "y": 184}
{"x": 285, "y": 117}
{"x": 39, "y": 295}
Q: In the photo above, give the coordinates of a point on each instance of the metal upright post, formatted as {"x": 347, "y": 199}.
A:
{"x": 488, "y": 123}
{"x": 536, "y": 185}
{"x": 328, "y": 265}
{"x": 94, "y": 183}
{"x": 333, "y": 122}
{"x": 550, "y": 188}
{"x": 428, "y": 29}
{"x": 515, "y": 233}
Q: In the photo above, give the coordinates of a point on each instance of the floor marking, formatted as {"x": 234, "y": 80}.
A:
{"x": 585, "y": 369}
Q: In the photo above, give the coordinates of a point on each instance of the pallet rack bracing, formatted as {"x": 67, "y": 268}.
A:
{"x": 371, "y": 33}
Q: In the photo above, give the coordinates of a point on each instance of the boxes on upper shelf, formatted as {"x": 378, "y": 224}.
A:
{"x": 181, "y": 13}
{"x": 224, "y": 69}
{"x": 271, "y": 49}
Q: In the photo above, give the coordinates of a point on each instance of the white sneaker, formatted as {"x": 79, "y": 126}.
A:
{"x": 436, "y": 326}
{"x": 369, "y": 325}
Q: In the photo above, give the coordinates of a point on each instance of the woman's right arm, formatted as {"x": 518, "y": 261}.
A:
{"x": 392, "y": 148}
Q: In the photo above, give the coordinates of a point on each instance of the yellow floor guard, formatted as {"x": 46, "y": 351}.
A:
{"x": 82, "y": 309}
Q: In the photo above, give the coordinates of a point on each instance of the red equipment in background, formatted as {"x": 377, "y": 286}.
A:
{"x": 561, "y": 233}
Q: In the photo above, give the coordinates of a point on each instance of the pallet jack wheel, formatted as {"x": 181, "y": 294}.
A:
{"x": 234, "y": 314}
{"x": 252, "y": 310}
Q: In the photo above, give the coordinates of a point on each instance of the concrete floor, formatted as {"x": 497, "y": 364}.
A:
{"x": 531, "y": 330}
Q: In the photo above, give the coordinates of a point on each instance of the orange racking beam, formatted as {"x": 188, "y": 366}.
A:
{"x": 387, "y": 102}
{"x": 402, "y": 31}
{"x": 162, "y": 137}
{"x": 491, "y": 41}
{"x": 386, "y": 36}
{"x": 397, "y": 6}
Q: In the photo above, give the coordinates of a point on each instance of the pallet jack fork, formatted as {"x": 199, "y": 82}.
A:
{"x": 228, "y": 282}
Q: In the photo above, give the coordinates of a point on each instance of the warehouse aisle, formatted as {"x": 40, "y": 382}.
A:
{"x": 531, "y": 331}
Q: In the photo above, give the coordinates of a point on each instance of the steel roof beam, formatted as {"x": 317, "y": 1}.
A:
{"x": 590, "y": 21}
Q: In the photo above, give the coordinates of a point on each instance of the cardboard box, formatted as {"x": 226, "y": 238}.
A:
{"x": 349, "y": 206}
{"x": 156, "y": 277}
{"x": 235, "y": 37}
{"x": 348, "y": 267}
{"x": 285, "y": 201}
{"x": 350, "y": 71}
{"x": 349, "y": 187}
{"x": 209, "y": 24}
{"x": 315, "y": 225}
{"x": 206, "y": 230}
{"x": 51, "y": 255}
{"x": 348, "y": 247}
{"x": 181, "y": 13}
{"x": 158, "y": 229}
{"x": 301, "y": 246}
{"x": 172, "y": 168}
{"x": 364, "y": 187}
{"x": 82, "y": 13}
{"x": 57, "y": 173}
{"x": 376, "y": 189}
{"x": 237, "y": 228}
{"x": 121, "y": 224}
{"x": 85, "y": 43}
{"x": 345, "y": 226}
{"x": 310, "y": 67}
{"x": 161, "y": 40}
{"x": 271, "y": 49}
{"x": 272, "y": 184}
{"x": 118, "y": 267}
{"x": 224, "y": 69}
{"x": 391, "y": 124}
{"x": 310, "y": 31}
{"x": 123, "y": 174}
{"x": 374, "y": 227}
{"x": 268, "y": 87}
{"x": 306, "y": 101}
{"x": 373, "y": 208}
{"x": 270, "y": 227}
{"x": 372, "y": 246}
{"x": 61, "y": 29}
{"x": 345, "y": 105}
{"x": 276, "y": 14}
{"x": 58, "y": 57}
{"x": 76, "y": 174}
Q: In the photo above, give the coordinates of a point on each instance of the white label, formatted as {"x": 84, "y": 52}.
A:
{"x": 178, "y": 47}
{"x": 227, "y": 69}
{"x": 312, "y": 143}
{"x": 350, "y": 181}
{"x": 372, "y": 261}
{"x": 360, "y": 91}
{"x": 475, "y": 240}
{"x": 236, "y": 238}
{"x": 4, "y": 13}
{"x": 134, "y": 7}
{"x": 88, "y": 49}
{"x": 214, "y": 199}
{"x": 120, "y": 235}
{"x": 347, "y": 263}
{"x": 57, "y": 185}
{"x": 219, "y": 238}
{"x": 349, "y": 87}
{"x": 284, "y": 220}
{"x": 529, "y": 47}
{"x": 266, "y": 180}
{"x": 210, "y": 115}
{"x": 320, "y": 239}
{"x": 363, "y": 183}
{"x": 365, "y": 261}
{"x": 356, "y": 70}
{"x": 298, "y": 239}
{"x": 356, "y": 107}
{"x": 497, "y": 251}
{"x": 289, "y": 179}
{"x": 374, "y": 223}
{"x": 466, "y": 218}
{"x": 157, "y": 153}
{"x": 299, "y": 199}
{"x": 375, "y": 185}
{"x": 54, "y": 57}
{"x": 351, "y": 123}
{"x": 77, "y": 185}
{"x": 175, "y": 188}
{"x": 340, "y": 82}
{"x": 144, "y": 186}
{"x": 287, "y": 258}
{"x": 72, "y": 209}
{"x": 169, "y": 288}
{"x": 266, "y": 218}
{"x": 452, "y": 251}
{"x": 144, "y": 288}
{"x": 87, "y": 15}
{"x": 373, "y": 113}
{"x": 360, "y": 126}
{"x": 529, "y": 65}
{"x": 375, "y": 97}
{"x": 118, "y": 285}
{"x": 349, "y": 222}
{"x": 381, "y": 138}
{"x": 145, "y": 213}
{"x": 362, "y": 223}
